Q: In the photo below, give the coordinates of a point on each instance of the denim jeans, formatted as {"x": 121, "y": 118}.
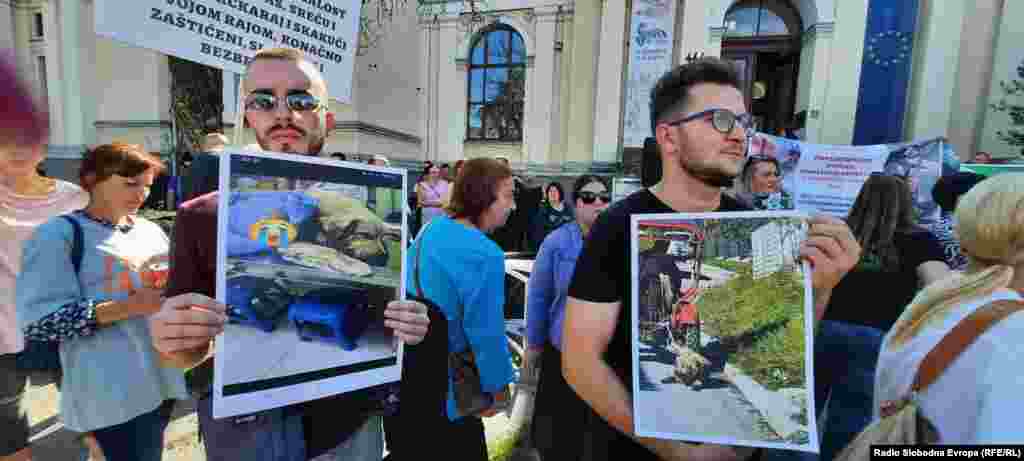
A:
{"x": 845, "y": 358}
{"x": 140, "y": 439}
{"x": 366, "y": 444}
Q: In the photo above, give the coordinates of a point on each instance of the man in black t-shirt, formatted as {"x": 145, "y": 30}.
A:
{"x": 702, "y": 127}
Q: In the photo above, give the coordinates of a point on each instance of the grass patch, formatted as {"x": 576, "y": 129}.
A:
{"x": 732, "y": 266}
{"x": 502, "y": 450}
{"x": 760, "y": 323}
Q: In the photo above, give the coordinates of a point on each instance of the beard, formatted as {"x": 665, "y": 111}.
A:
{"x": 316, "y": 141}
{"x": 712, "y": 175}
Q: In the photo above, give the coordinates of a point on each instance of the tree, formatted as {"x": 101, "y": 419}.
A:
{"x": 197, "y": 101}
{"x": 1013, "y": 89}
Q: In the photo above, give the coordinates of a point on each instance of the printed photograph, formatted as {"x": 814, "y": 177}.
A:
{"x": 310, "y": 254}
{"x": 768, "y": 180}
{"x": 920, "y": 165}
{"x": 721, "y": 329}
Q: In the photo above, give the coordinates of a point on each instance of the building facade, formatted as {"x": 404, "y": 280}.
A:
{"x": 547, "y": 83}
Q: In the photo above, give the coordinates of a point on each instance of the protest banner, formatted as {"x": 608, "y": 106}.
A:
{"x": 309, "y": 252}
{"x": 227, "y": 33}
{"x": 987, "y": 170}
{"x": 827, "y": 178}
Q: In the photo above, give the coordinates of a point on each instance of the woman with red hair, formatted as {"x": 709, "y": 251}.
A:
{"x": 97, "y": 312}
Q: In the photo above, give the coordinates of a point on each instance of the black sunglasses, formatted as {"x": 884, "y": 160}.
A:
{"x": 723, "y": 120}
{"x": 299, "y": 101}
{"x": 589, "y": 197}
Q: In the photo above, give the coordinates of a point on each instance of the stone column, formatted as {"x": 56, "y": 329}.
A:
{"x": 586, "y": 21}
{"x": 975, "y": 72}
{"x": 70, "y": 82}
{"x": 426, "y": 93}
{"x": 934, "y": 76}
{"x": 6, "y": 25}
{"x": 451, "y": 94}
{"x": 610, "y": 73}
{"x": 542, "y": 90}
{"x": 814, "y": 79}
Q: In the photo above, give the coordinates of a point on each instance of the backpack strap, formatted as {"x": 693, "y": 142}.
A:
{"x": 77, "y": 245}
{"x": 959, "y": 338}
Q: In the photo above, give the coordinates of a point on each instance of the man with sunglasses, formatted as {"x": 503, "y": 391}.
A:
{"x": 286, "y": 106}
{"x": 702, "y": 127}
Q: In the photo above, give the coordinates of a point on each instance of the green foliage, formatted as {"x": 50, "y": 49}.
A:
{"x": 1014, "y": 109}
{"x": 760, "y": 322}
{"x": 197, "y": 101}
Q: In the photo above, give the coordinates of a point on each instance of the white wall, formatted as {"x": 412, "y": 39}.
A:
{"x": 1008, "y": 56}
{"x": 136, "y": 91}
{"x": 387, "y": 77}
{"x": 839, "y": 110}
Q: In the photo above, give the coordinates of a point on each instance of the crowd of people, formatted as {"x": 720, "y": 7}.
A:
{"x": 128, "y": 309}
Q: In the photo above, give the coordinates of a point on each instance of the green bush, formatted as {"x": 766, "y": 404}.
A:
{"x": 760, "y": 323}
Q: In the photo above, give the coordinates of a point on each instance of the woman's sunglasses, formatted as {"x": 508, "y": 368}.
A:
{"x": 298, "y": 102}
{"x": 589, "y": 197}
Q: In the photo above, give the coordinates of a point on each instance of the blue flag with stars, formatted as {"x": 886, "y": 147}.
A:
{"x": 885, "y": 71}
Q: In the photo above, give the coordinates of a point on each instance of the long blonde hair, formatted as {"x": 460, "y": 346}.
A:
{"x": 990, "y": 224}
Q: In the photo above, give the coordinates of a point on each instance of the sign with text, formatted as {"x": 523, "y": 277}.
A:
{"x": 227, "y": 33}
{"x": 827, "y": 178}
{"x": 650, "y": 56}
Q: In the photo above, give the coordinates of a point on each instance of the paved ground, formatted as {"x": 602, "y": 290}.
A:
{"x": 52, "y": 442}
{"x": 716, "y": 409}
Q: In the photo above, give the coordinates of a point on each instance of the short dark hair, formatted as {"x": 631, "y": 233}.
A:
{"x": 339, "y": 156}
{"x": 583, "y": 181}
{"x": 127, "y": 160}
{"x": 476, "y": 189}
{"x": 672, "y": 92}
{"x": 558, "y": 187}
{"x": 948, "y": 189}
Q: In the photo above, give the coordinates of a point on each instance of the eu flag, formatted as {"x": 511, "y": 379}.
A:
{"x": 885, "y": 71}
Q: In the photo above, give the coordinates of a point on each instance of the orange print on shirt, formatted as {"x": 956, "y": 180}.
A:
{"x": 123, "y": 275}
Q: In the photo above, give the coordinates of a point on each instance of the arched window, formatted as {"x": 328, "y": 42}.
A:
{"x": 497, "y": 73}
{"x": 761, "y": 18}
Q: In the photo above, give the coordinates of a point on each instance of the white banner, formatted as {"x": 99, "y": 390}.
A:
{"x": 818, "y": 178}
{"x": 650, "y": 56}
{"x": 226, "y": 33}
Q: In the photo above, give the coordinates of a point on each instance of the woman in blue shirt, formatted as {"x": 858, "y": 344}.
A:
{"x": 463, "y": 272}
{"x": 112, "y": 384}
{"x": 557, "y": 410}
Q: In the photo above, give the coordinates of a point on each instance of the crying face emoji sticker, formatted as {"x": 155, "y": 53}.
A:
{"x": 274, "y": 231}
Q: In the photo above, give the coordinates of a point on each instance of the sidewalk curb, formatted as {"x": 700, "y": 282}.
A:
{"x": 775, "y": 407}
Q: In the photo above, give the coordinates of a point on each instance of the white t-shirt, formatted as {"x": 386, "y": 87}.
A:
{"x": 978, "y": 398}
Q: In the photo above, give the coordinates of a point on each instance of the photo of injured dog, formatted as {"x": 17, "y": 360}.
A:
{"x": 310, "y": 253}
{"x": 721, "y": 333}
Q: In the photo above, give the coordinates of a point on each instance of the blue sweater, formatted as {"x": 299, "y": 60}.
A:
{"x": 549, "y": 285}
{"x": 464, "y": 273}
{"x": 111, "y": 373}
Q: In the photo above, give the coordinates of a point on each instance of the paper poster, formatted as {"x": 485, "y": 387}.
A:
{"x": 309, "y": 253}
{"x": 227, "y": 34}
{"x": 722, "y": 329}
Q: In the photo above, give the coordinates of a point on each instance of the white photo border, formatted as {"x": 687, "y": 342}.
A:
{"x": 812, "y": 424}
{"x": 277, "y": 397}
